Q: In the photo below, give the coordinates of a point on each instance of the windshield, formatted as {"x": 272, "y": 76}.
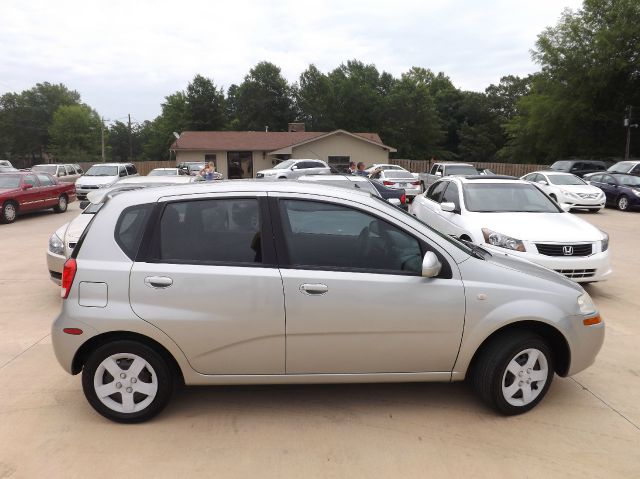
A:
{"x": 51, "y": 169}
{"x": 162, "y": 173}
{"x": 284, "y": 165}
{"x": 102, "y": 170}
{"x": 9, "y": 181}
{"x": 561, "y": 165}
{"x": 461, "y": 170}
{"x": 629, "y": 180}
{"x": 565, "y": 180}
{"x": 398, "y": 174}
{"x": 622, "y": 167}
{"x": 506, "y": 198}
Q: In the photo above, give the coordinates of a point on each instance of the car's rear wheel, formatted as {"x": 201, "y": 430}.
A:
{"x": 514, "y": 372}
{"x": 9, "y": 212}
{"x": 61, "y": 207}
{"x": 623, "y": 203}
{"x": 127, "y": 381}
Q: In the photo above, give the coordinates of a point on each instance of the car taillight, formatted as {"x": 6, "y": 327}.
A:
{"x": 416, "y": 183}
{"x": 388, "y": 183}
{"x": 403, "y": 199}
{"x": 68, "y": 275}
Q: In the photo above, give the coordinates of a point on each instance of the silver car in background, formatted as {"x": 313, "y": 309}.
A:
{"x": 292, "y": 169}
{"x": 398, "y": 179}
{"x": 252, "y": 282}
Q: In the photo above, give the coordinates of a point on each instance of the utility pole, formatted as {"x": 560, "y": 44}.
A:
{"x": 130, "y": 144}
{"x": 102, "y": 137}
{"x": 627, "y": 122}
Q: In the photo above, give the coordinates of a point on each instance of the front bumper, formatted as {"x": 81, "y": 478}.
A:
{"x": 55, "y": 264}
{"x": 581, "y": 269}
{"x": 586, "y": 203}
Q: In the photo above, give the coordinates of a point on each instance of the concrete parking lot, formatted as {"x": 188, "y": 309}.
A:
{"x": 587, "y": 426}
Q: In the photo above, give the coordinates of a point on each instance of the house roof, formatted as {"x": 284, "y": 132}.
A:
{"x": 258, "y": 140}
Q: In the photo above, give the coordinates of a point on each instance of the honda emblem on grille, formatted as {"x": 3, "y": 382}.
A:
{"x": 567, "y": 250}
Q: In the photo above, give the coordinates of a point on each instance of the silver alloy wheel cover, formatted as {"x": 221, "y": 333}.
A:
{"x": 62, "y": 203}
{"x": 527, "y": 380}
{"x": 623, "y": 203}
{"x": 9, "y": 212}
{"x": 127, "y": 385}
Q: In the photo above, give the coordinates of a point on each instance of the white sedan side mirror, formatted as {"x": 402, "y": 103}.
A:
{"x": 542, "y": 182}
{"x": 430, "y": 265}
{"x": 449, "y": 207}
{"x": 395, "y": 201}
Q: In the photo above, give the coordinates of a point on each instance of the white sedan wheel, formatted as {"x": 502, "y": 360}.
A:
{"x": 525, "y": 377}
{"x": 125, "y": 383}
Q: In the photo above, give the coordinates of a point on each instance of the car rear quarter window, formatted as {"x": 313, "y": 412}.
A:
{"x": 130, "y": 228}
{"x": 211, "y": 231}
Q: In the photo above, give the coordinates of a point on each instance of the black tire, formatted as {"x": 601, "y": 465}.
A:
{"x": 423, "y": 188}
{"x": 490, "y": 369}
{"x": 63, "y": 203}
{"x": 163, "y": 377}
{"x": 622, "y": 203}
{"x": 9, "y": 212}
{"x": 282, "y": 177}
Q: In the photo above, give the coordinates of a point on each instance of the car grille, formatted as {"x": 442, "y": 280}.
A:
{"x": 584, "y": 249}
{"x": 588, "y": 196}
{"x": 577, "y": 273}
{"x": 88, "y": 187}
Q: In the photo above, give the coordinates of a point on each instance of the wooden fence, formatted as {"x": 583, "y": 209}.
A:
{"x": 511, "y": 169}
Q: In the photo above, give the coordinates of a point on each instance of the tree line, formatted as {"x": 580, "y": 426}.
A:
{"x": 573, "y": 107}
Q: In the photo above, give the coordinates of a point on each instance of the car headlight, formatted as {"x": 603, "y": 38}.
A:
{"x": 636, "y": 192}
{"x": 604, "y": 244}
{"x": 503, "y": 241}
{"x": 570, "y": 194}
{"x": 56, "y": 246}
{"x": 585, "y": 304}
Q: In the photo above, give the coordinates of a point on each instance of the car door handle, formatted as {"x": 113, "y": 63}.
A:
{"x": 314, "y": 288}
{"x": 158, "y": 281}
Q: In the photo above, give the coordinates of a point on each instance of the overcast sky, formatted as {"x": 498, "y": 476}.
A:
{"x": 126, "y": 56}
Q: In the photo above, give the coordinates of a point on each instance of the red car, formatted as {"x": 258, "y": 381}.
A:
{"x": 30, "y": 191}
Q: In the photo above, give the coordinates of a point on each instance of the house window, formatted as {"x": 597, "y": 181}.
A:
{"x": 239, "y": 165}
{"x": 211, "y": 158}
{"x": 340, "y": 163}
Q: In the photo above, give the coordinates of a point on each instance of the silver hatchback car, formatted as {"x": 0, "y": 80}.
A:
{"x": 246, "y": 282}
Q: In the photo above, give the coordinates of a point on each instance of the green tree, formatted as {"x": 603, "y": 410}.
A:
{"x": 314, "y": 96}
{"x": 75, "y": 133}
{"x": 263, "y": 99}
{"x": 158, "y": 134}
{"x": 205, "y": 105}
{"x": 590, "y": 72}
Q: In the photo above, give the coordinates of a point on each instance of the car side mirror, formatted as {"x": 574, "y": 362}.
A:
{"x": 26, "y": 186}
{"x": 542, "y": 182}
{"x": 294, "y": 167}
{"x": 449, "y": 207}
{"x": 395, "y": 201}
{"x": 438, "y": 173}
{"x": 430, "y": 265}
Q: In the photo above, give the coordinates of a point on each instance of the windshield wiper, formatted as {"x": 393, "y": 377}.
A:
{"x": 476, "y": 250}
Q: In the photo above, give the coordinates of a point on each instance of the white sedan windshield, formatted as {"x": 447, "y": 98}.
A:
{"x": 506, "y": 198}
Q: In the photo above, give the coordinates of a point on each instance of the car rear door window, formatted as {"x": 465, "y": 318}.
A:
{"x": 596, "y": 178}
{"x": 211, "y": 231}
{"x": 45, "y": 180}
{"x": 321, "y": 235}
{"x": 69, "y": 169}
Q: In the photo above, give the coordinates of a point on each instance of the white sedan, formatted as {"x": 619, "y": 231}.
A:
{"x": 568, "y": 189}
{"x": 514, "y": 217}
{"x": 168, "y": 172}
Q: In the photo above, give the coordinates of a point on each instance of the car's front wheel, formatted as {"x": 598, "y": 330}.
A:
{"x": 127, "y": 381}
{"x": 514, "y": 372}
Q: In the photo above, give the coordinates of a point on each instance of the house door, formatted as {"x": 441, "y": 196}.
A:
{"x": 239, "y": 165}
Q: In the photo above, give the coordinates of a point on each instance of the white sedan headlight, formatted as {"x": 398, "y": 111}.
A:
{"x": 570, "y": 194}
{"x": 636, "y": 192}
{"x": 586, "y": 305}
{"x": 503, "y": 241}
{"x": 604, "y": 243}
{"x": 56, "y": 246}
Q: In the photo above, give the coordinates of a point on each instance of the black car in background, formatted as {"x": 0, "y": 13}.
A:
{"x": 621, "y": 189}
{"x": 579, "y": 167}
{"x": 388, "y": 193}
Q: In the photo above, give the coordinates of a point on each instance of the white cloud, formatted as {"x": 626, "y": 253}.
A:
{"x": 125, "y": 56}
